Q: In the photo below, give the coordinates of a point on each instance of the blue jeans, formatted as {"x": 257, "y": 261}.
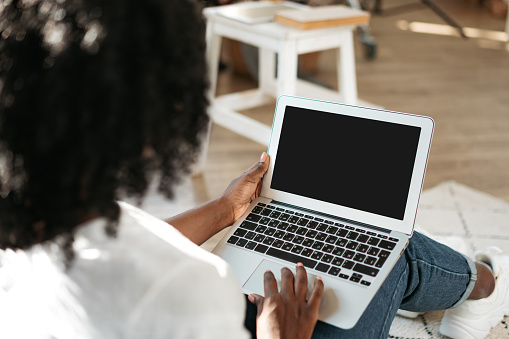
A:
{"x": 429, "y": 276}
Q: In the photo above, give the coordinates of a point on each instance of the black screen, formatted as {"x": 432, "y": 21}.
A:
{"x": 349, "y": 161}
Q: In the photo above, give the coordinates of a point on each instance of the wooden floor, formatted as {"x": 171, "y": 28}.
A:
{"x": 463, "y": 84}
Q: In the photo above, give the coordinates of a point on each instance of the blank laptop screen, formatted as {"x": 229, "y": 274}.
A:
{"x": 354, "y": 162}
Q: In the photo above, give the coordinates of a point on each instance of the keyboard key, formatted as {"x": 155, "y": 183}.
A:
{"x": 261, "y": 248}
{"x": 356, "y": 277}
{"x": 360, "y": 230}
{"x": 299, "y": 214}
{"x": 240, "y": 232}
{"x": 332, "y": 230}
{"x": 298, "y": 240}
{"x": 371, "y": 233}
{"x": 259, "y": 238}
{"x": 359, "y": 257}
{"x": 342, "y": 233}
{"x": 348, "y": 264}
{"x": 261, "y": 204}
{"x": 253, "y": 217}
{"x": 322, "y": 267}
{"x": 382, "y": 236}
{"x": 343, "y": 276}
{"x": 331, "y": 239}
{"x": 293, "y": 219}
{"x": 373, "y": 251}
{"x": 297, "y": 249}
{"x": 302, "y": 222}
{"x": 319, "y": 219}
{"x": 349, "y": 227}
{"x": 352, "y": 245}
{"x": 266, "y": 212}
{"x": 365, "y": 283}
{"x": 294, "y": 258}
{"x": 283, "y": 226}
{"x": 278, "y": 243}
{"x": 242, "y": 242}
{"x": 337, "y": 261}
{"x": 342, "y": 242}
{"x": 309, "y": 217}
{"x": 268, "y": 241}
{"x": 393, "y": 239}
{"x": 352, "y": 235}
{"x": 363, "y": 238}
{"x": 334, "y": 271}
{"x": 372, "y": 272}
{"x": 250, "y": 245}
{"x": 328, "y": 222}
{"x": 373, "y": 241}
{"x": 250, "y": 235}
{"x": 307, "y": 252}
{"x": 273, "y": 223}
{"x": 318, "y": 245}
{"x": 270, "y": 231}
{"x": 302, "y": 231}
{"x": 279, "y": 234}
{"x": 233, "y": 239}
{"x": 321, "y": 236}
{"x": 321, "y": 227}
{"x": 257, "y": 209}
{"x": 248, "y": 225}
{"x": 327, "y": 258}
{"x": 388, "y": 245}
{"x": 370, "y": 260}
{"x": 313, "y": 224}
{"x": 307, "y": 242}
{"x": 288, "y": 237}
{"x": 284, "y": 217}
{"x": 292, "y": 228}
{"x": 317, "y": 255}
{"x": 260, "y": 229}
{"x": 264, "y": 221}
{"x": 328, "y": 248}
{"x": 280, "y": 209}
{"x": 311, "y": 234}
{"x": 275, "y": 214}
{"x": 287, "y": 246}
{"x": 380, "y": 262}
{"x": 384, "y": 254}
{"x": 348, "y": 254}
{"x": 363, "y": 248}
{"x": 338, "y": 251}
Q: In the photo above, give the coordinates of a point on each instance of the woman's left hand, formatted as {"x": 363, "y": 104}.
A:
{"x": 245, "y": 188}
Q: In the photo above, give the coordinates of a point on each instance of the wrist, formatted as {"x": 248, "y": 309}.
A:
{"x": 224, "y": 212}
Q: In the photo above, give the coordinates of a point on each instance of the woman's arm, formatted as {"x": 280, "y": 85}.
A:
{"x": 202, "y": 222}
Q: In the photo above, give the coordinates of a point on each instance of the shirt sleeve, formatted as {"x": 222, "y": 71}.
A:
{"x": 193, "y": 300}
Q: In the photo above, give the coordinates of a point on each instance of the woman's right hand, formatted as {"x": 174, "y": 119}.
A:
{"x": 286, "y": 314}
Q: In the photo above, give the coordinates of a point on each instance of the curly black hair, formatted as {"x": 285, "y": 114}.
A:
{"x": 96, "y": 97}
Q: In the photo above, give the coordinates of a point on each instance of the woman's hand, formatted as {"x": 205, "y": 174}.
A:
{"x": 245, "y": 188}
{"x": 287, "y": 314}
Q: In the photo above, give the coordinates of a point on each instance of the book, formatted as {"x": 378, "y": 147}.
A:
{"x": 322, "y": 17}
{"x": 255, "y": 12}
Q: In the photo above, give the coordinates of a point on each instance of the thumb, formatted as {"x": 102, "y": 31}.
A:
{"x": 258, "y": 301}
{"x": 261, "y": 166}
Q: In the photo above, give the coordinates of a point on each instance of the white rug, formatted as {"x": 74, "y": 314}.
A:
{"x": 449, "y": 209}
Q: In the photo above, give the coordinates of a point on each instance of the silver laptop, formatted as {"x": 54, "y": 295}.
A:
{"x": 340, "y": 196}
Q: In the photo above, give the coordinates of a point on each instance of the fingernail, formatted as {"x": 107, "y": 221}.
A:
{"x": 251, "y": 298}
{"x": 318, "y": 278}
{"x": 263, "y": 157}
{"x": 300, "y": 264}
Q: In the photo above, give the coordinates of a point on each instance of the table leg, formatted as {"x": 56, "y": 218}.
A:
{"x": 287, "y": 69}
{"x": 347, "y": 80}
{"x": 267, "y": 70}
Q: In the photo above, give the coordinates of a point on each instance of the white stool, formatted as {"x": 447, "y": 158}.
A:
{"x": 273, "y": 38}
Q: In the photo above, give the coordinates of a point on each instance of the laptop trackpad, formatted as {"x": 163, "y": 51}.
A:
{"x": 254, "y": 284}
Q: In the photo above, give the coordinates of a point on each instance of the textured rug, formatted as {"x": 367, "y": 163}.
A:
{"x": 449, "y": 209}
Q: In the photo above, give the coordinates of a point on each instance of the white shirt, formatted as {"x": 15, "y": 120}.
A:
{"x": 147, "y": 282}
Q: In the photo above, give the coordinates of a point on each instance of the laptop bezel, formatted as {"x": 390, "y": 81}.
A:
{"x": 425, "y": 123}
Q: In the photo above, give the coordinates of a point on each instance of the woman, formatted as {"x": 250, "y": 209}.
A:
{"x": 99, "y": 97}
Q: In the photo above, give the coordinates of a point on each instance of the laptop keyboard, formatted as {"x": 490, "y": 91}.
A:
{"x": 339, "y": 250}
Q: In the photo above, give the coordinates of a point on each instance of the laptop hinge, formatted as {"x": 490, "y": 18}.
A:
{"x": 330, "y": 216}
